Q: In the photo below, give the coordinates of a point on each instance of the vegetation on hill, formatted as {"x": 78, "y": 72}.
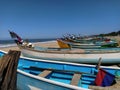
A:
{"x": 111, "y": 34}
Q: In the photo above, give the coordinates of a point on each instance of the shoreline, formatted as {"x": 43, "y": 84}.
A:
{"x": 41, "y": 44}
{"x": 6, "y": 49}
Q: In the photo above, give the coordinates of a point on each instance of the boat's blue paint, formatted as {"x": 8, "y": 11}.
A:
{"x": 35, "y": 67}
{"x": 1, "y": 54}
{"x": 45, "y": 48}
{"x": 37, "y": 83}
{"x": 26, "y": 63}
{"x": 85, "y": 81}
{"x": 104, "y": 49}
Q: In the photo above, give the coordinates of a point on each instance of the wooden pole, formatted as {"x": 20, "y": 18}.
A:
{"x": 99, "y": 63}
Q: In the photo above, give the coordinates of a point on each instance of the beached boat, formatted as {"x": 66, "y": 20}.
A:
{"x": 90, "y": 56}
{"x": 96, "y": 40}
{"x": 37, "y": 74}
{"x": 108, "y": 55}
{"x": 78, "y": 56}
{"x": 96, "y": 45}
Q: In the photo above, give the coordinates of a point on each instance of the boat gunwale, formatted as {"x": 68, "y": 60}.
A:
{"x": 52, "y": 82}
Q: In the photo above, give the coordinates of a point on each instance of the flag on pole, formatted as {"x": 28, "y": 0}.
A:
{"x": 104, "y": 78}
{"x": 16, "y": 38}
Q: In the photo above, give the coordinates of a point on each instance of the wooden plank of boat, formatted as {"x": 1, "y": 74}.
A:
{"x": 75, "y": 79}
{"x": 45, "y": 73}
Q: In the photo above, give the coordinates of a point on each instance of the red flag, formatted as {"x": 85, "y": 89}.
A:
{"x": 104, "y": 78}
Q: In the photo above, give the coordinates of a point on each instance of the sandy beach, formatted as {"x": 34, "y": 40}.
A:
{"x": 42, "y": 44}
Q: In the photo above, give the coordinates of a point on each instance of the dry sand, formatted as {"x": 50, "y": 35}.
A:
{"x": 9, "y": 48}
{"x": 47, "y": 44}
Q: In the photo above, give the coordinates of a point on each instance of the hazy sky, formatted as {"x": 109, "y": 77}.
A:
{"x": 53, "y": 18}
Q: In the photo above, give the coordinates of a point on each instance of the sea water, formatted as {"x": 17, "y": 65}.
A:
{"x": 9, "y": 43}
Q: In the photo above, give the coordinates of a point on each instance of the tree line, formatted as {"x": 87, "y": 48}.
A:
{"x": 111, "y": 34}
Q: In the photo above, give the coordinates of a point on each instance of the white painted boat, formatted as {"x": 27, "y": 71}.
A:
{"x": 75, "y": 55}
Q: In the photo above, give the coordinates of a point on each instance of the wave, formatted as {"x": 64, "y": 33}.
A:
{"x": 7, "y": 45}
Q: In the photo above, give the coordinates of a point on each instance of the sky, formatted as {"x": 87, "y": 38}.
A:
{"x": 54, "y": 18}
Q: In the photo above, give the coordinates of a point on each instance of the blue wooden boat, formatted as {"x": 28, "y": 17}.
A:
{"x": 37, "y": 74}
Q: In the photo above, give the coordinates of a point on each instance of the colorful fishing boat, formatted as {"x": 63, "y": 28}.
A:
{"x": 37, "y": 74}
{"x": 96, "y": 40}
{"x": 96, "y": 45}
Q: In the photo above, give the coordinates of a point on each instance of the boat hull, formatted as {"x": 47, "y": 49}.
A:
{"x": 107, "y": 58}
{"x": 35, "y": 82}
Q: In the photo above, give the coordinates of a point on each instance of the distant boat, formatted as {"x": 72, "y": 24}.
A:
{"x": 37, "y": 74}
{"x": 96, "y": 45}
{"x": 97, "y": 40}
